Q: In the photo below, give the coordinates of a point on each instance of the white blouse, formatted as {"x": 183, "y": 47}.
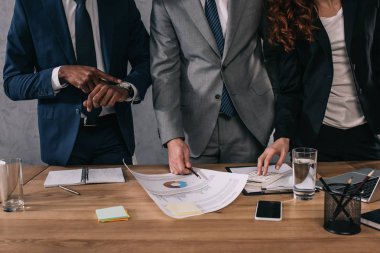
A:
{"x": 343, "y": 108}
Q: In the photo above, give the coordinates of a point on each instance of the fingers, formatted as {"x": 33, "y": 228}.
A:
{"x": 279, "y": 147}
{"x": 90, "y": 98}
{"x": 187, "y": 158}
{"x": 97, "y": 99}
{"x": 281, "y": 160}
{"x": 107, "y": 77}
{"x": 84, "y": 88}
{"x": 264, "y": 161}
{"x": 186, "y": 155}
{"x": 94, "y": 80}
{"x": 260, "y": 163}
{"x": 114, "y": 99}
{"x": 178, "y": 157}
{"x": 177, "y": 165}
{"x": 106, "y": 98}
{"x": 267, "y": 160}
{"x": 85, "y": 78}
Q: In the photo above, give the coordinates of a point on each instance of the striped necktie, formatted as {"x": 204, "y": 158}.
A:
{"x": 212, "y": 16}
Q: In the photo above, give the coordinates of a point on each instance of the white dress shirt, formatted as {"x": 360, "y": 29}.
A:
{"x": 222, "y": 6}
{"x": 92, "y": 9}
{"x": 343, "y": 108}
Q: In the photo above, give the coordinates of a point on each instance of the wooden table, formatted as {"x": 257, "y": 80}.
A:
{"x": 30, "y": 171}
{"x": 56, "y": 221}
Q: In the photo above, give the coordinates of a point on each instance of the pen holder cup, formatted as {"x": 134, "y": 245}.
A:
{"x": 342, "y": 211}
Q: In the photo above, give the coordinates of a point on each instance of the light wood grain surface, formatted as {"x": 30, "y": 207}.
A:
{"x": 57, "y": 221}
{"x": 30, "y": 171}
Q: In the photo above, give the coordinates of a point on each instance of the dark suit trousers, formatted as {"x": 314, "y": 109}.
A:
{"x": 354, "y": 144}
{"x": 100, "y": 145}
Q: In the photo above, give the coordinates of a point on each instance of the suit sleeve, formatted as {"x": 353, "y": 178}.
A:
{"x": 165, "y": 69}
{"x": 21, "y": 79}
{"x": 138, "y": 52}
{"x": 376, "y": 49}
{"x": 288, "y": 77}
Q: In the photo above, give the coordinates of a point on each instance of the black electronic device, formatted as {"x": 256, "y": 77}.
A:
{"x": 268, "y": 210}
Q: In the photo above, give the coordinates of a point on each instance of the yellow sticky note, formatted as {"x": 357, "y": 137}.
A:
{"x": 116, "y": 213}
{"x": 183, "y": 208}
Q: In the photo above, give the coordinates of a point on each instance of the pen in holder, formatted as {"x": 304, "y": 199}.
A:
{"x": 342, "y": 211}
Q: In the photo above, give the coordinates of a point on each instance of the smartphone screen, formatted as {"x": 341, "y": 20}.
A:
{"x": 269, "y": 210}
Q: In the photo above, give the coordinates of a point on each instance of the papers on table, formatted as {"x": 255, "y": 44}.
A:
{"x": 75, "y": 177}
{"x": 160, "y": 184}
{"x": 283, "y": 183}
{"x": 180, "y": 196}
{"x": 116, "y": 213}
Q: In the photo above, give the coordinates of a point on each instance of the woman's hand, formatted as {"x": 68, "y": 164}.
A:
{"x": 279, "y": 147}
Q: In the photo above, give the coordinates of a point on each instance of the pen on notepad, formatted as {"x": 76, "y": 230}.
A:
{"x": 68, "y": 190}
{"x": 192, "y": 171}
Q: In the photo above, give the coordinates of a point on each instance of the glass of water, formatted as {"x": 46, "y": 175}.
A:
{"x": 304, "y": 162}
{"x": 11, "y": 182}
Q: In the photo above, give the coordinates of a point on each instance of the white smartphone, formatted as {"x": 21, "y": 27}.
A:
{"x": 268, "y": 210}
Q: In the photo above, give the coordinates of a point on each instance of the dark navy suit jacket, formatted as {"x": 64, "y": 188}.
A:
{"x": 39, "y": 40}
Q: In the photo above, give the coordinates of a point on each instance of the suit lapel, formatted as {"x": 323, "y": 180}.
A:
{"x": 235, "y": 10}
{"x": 106, "y": 18}
{"x": 349, "y": 7}
{"x": 196, "y": 12}
{"x": 55, "y": 11}
{"x": 322, "y": 38}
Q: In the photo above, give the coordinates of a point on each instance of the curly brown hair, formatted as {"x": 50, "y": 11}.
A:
{"x": 290, "y": 20}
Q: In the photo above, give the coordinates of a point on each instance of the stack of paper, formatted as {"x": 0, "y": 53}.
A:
{"x": 181, "y": 196}
{"x": 116, "y": 213}
{"x": 278, "y": 180}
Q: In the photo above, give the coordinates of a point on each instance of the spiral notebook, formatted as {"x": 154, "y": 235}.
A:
{"x": 84, "y": 176}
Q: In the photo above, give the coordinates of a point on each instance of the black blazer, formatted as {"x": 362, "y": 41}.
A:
{"x": 303, "y": 78}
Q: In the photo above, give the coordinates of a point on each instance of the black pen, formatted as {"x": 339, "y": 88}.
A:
{"x": 192, "y": 171}
{"x": 68, "y": 190}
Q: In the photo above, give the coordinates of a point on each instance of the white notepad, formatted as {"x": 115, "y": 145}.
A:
{"x": 78, "y": 177}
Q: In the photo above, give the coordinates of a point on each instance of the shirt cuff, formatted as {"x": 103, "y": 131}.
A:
{"x": 136, "y": 95}
{"x": 56, "y": 85}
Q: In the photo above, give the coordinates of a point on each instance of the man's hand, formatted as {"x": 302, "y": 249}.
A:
{"x": 179, "y": 156}
{"x": 83, "y": 77}
{"x": 105, "y": 95}
{"x": 279, "y": 147}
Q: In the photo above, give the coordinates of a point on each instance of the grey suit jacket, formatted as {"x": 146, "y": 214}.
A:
{"x": 188, "y": 71}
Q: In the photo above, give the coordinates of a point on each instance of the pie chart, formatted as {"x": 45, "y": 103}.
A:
{"x": 175, "y": 184}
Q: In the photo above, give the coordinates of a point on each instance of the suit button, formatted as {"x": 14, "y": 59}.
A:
{"x": 223, "y": 67}
{"x": 217, "y": 96}
{"x": 77, "y": 111}
{"x": 360, "y": 91}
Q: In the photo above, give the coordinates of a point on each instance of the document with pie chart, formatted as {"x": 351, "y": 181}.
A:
{"x": 181, "y": 196}
{"x": 169, "y": 184}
